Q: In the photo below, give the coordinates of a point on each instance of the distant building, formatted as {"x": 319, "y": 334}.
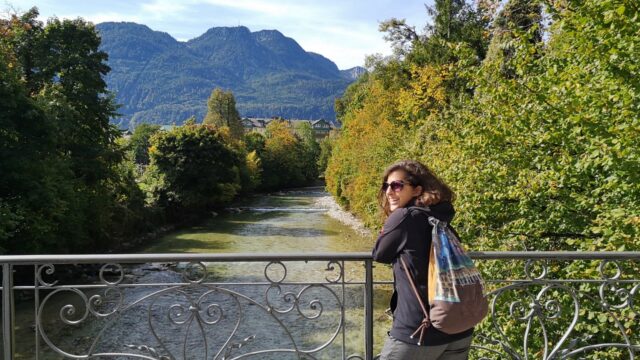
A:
{"x": 255, "y": 124}
{"x": 321, "y": 127}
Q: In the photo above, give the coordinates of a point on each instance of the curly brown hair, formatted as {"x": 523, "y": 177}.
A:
{"x": 434, "y": 190}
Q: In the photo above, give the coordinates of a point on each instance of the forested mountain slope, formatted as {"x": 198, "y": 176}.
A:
{"x": 158, "y": 79}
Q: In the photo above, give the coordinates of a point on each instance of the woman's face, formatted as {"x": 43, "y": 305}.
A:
{"x": 398, "y": 191}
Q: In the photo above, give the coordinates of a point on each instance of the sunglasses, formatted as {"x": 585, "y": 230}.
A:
{"x": 396, "y": 185}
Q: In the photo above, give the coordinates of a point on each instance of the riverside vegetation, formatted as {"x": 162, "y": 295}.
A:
{"x": 531, "y": 112}
{"x": 71, "y": 183}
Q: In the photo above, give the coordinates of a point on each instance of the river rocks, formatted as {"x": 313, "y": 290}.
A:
{"x": 335, "y": 211}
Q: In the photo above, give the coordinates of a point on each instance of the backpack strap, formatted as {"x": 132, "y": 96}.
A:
{"x": 425, "y": 321}
{"x": 435, "y": 222}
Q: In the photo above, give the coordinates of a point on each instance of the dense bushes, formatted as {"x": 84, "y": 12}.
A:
{"x": 539, "y": 138}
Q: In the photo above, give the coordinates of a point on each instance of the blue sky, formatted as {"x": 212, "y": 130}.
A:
{"x": 342, "y": 30}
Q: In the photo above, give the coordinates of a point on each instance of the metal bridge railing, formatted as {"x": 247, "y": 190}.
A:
{"x": 544, "y": 305}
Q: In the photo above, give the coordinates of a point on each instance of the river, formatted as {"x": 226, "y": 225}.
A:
{"x": 289, "y": 221}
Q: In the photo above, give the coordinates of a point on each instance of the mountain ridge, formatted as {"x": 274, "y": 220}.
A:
{"x": 158, "y": 79}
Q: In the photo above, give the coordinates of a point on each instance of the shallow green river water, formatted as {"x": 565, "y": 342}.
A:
{"x": 284, "y": 222}
{"x": 269, "y": 224}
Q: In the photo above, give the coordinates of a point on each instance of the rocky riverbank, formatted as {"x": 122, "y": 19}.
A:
{"x": 335, "y": 211}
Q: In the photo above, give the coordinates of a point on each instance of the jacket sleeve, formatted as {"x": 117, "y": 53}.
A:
{"x": 392, "y": 238}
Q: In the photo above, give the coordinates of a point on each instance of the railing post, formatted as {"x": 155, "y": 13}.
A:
{"x": 7, "y": 310}
{"x": 368, "y": 309}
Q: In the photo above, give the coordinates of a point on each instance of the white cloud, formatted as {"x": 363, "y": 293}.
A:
{"x": 161, "y": 9}
{"x": 275, "y": 9}
{"x": 345, "y": 43}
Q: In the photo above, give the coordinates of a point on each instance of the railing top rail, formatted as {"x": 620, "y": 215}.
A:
{"x": 180, "y": 257}
{"x": 556, "y": 255}
{"x": 346, "y": 256}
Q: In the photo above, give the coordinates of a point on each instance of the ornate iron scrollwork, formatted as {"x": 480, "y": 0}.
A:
{"x": 545, "y": 315}
{"x": 193, "y": 316}
{"x": 536, "y": 311}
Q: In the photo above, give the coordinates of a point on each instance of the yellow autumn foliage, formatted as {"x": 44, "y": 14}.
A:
{"x": 426, "y": 92}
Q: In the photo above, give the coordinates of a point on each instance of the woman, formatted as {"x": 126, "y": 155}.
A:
{"x": 406, "y": 233}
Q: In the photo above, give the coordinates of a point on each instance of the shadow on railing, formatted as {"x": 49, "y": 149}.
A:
{"x": 544, "y": 305}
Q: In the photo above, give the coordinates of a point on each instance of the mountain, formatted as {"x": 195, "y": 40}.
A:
{"x": 353, "y": 73}
{"x": 158, "y": 79}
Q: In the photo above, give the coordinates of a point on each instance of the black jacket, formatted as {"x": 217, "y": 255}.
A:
{"x": 407, "y": 233}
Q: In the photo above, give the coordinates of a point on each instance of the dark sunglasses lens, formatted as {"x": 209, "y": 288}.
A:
{"x": 396, "y": 185}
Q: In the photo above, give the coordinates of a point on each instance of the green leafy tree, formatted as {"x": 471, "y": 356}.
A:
{"x": 33, "y": 174}
{"x": 129, "y": 212}
{"x": 65, "y": 54}
{"x": 193, "y": 168}
{"x": 520, "y": 17}
{"x": 518, "y": 20}
{"x": 326, "y": 148}
{"x": 458, "y": 20}
{"x": 454, "y": 21}
{"x": 560, "y": 141}
{"x": 139, "y": 142}
{"x": 310, "y": 150}
{"x": 221, "y": 111}
{"x": 283, "y": 159}
{"x": 255, "y": 141}
{"x": 401, "y": 35}
{"x": 61, "y": 73}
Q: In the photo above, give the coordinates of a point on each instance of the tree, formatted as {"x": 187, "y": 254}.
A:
{"x": 251, "y": 172}
{"x": 65, "y": 55}
{"x": 401, "y": 36}
{"x": 371, "y": 137}
{"x": 139, "y": 142}
{"x": 283, "y": 157}
{"x": 63, "y": 110}
{"x": 520, "y": 17}
{"x": 518, "y": 20}
{"x": 193, "y": 168}
{"x": 221, "y": 111}
{"x": 310, "y": 151}
{"x": 255, "y": 142}
{"x": 326, "y": 148}
{"x": 454, "y": 21}
{"x": 35, "y": 187}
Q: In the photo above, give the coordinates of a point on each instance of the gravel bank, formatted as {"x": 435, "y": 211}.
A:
{"x": 336, "y": 212}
